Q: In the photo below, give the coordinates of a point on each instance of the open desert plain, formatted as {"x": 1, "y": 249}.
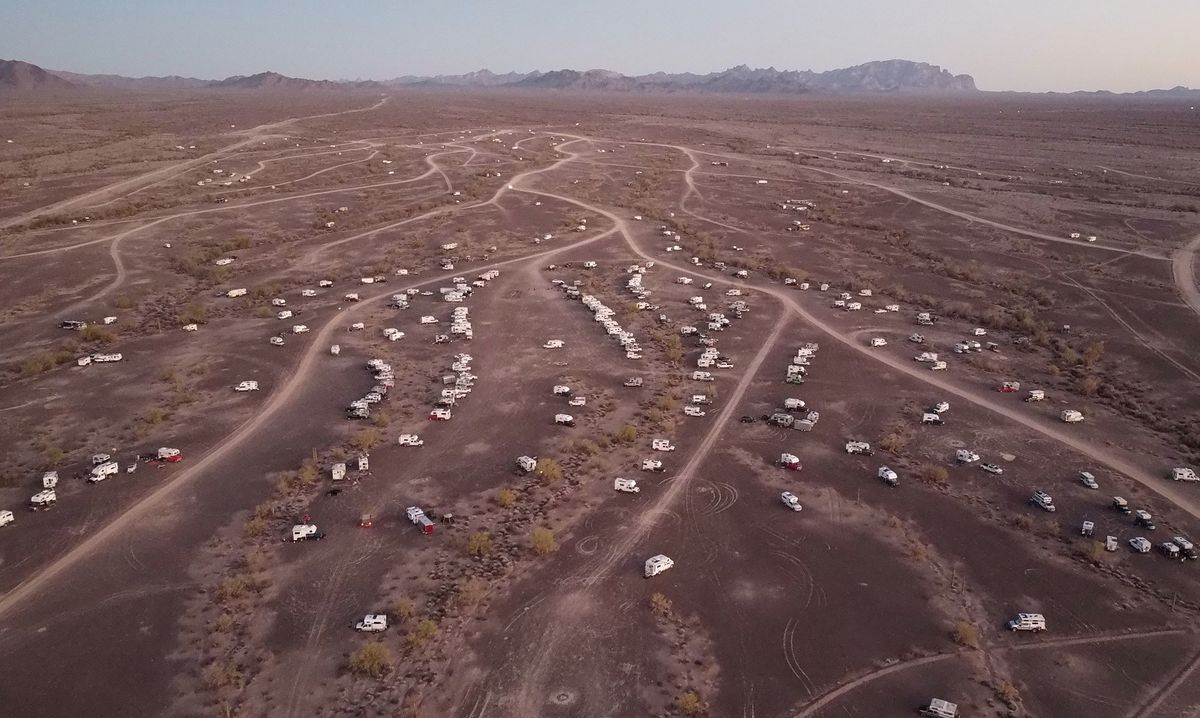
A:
{"x": 338, "y": 388}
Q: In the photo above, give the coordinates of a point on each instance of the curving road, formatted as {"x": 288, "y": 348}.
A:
{"x": 252, "y": 135}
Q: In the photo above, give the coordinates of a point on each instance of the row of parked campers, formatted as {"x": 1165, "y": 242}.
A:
{"x": 460, "y": 324}
{"x": 99, "y": 359}
{"x": 798, "y": 368}
{"x": 385, "y": 381}
{"x": 455, "y": 386}
{"x": 604, "y": 315}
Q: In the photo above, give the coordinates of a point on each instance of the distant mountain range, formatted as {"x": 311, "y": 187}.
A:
{"x": 884, "y": 76}
{"x": 275, "y": 81}
{"x": 17, "y": 75}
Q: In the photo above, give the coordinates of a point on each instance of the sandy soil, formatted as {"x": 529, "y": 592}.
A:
{"x": 171, "y": 591}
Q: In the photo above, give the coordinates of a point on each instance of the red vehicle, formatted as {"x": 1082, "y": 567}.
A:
{"x": 1009, "y": 387}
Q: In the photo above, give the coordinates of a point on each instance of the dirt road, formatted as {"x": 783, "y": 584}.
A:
{"x": 1183, "y": 267}
{"x": 283, "y": 394}
{"x": 1171, "y": 491}
{"x": 254, "y": 134}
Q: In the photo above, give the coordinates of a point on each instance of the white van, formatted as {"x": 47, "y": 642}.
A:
{"x": 372, "y": 623}
{"x": 6, "y": 518}
{"x": 628, "y": 486}
{"x": 1035, "y": 622}
{"x": 657, "y": 564}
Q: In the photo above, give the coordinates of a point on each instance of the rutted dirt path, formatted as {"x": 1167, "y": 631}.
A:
{"x": 251, "y": 135}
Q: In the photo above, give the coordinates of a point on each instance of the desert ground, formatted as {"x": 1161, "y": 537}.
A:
{"x": 1060, "y": 234}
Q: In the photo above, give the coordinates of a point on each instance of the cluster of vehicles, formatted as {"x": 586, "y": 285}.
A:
{"x": 564, "y": 390}
{"x": 103, "y": 466}
{"x": 385, "y": 380}
{"x": 455, "y": 387}
{"x": 604, "y": 315}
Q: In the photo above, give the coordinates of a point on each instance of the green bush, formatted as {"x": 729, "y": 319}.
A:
{"x": 505, "y": 498}
{"x": 372, "y": 659}
{"x": 542, "y": 541}
{"x": 689, "y": 703}
{"x": 479, "y": 543}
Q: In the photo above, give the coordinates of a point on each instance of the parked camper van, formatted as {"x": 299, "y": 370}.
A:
{"x": 657, "y": 564}
{"x": 1034, "y": 622}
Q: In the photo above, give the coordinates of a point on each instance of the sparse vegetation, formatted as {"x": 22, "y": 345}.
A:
{"x": 403, "y": 610}
{"x": 52, "y": 456}
{"x": 1007, "y": 694}
{"x": 372, "y": 660}
{"x": 966, "y": 635}
{"x": 549, "y": 470}
{"x": 479, "y": 544}
{"x": 689, "y": 703}
{"x": 421, "y": 634}
{"x": 1094, "y": 551}
{"x": 95, "y": 334}
{"x": 224, "y": 674}
{"x": 505, "y": 498}
{"x": 660, "y": 604}
{"x": 936, "y": 474}
{"x": 542, "y": 541}
{"x": 193, "y": 314}
{"x": 627, "y": 434}
{"x": 365, "y": 439}
{"x": 471, "y": 592}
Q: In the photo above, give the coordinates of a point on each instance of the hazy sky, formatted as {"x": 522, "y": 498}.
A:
{"x": 1005, "y": 44}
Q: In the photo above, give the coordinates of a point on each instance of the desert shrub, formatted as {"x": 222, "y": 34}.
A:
{"x": 403, "y": 610}
{"x": 123, "y": 302}
{"x": 966, "y": 635}
{"x": 224, "y": 674}
{"x": 471, "y": 592}
{"x": 254, "y": 528}
{"x": 894, "y": 442}
{"x": 479, "y": 543}
{"x": 542, "y": 541}
{"x": 193, "y": 314}
{"x": 94, "y": 334}
{"x": 35, "y": 365}
{"x": 587, "y": 447}
{"x": 673, "y": 348}
{"x": 232, "y": 588}
{"x": 660, "y": 604}
{"x": 549, "y": 469}
{"x": 936, "y": 474}
{"x": 224, "y": 623}
{"x": 420, "y": 635}
{"x": 1007, "y": 694}
{"x": 1087, "y": 385}
{"x": 52, "y": 456}
{"x": 365, "y": 439}
{"x": 505, "y": 498}
{"x": 627, "y": 434}
{"x": 372, "y": 659}
{"x": 689, "y": 703}
{"x": 307, "y": 473}
{"x": 1093, "y": 551}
